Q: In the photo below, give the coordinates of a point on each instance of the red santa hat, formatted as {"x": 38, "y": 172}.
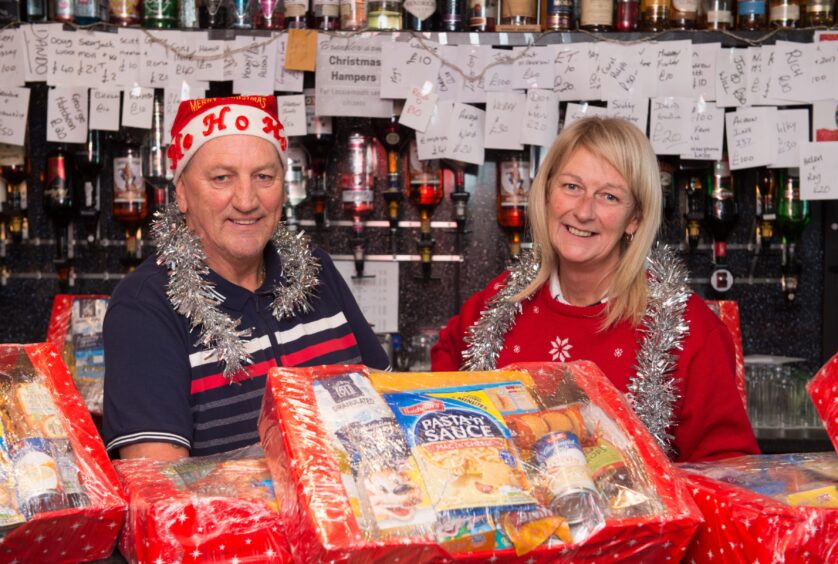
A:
{"x": 198, "y": 121}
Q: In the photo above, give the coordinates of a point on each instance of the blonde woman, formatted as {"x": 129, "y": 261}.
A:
{"x": 594, "y": 290}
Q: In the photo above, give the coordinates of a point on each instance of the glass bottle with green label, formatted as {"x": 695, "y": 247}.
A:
{"x": 160, "y": 14}
{"x": 792, "y": 219}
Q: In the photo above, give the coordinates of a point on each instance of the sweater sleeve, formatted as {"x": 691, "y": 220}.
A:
{"x": 447, "y": 353}
{"x": 712, "y": 422}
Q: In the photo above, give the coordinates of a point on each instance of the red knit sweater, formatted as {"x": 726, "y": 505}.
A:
{"x": 710, "y": 421}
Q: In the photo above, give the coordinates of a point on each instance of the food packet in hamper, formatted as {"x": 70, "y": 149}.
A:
{"x": 378, "y": 472}
{"x": 463, "y": 450}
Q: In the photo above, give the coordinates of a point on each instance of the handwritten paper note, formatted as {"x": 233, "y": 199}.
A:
{"x": 575, "y": 112}
{"x": 533, "y": 68}
{"x": 286, "y": 80}
{"x": 792, "y": 132}
{"x": 819, "y": 171}
{"x": 67, "y": 114}
{"x": 498, "y": 77}
{"x": 12, "y": 58}
{"x": 619, "y": 71}
{"x": 208, "y": 61}
{"x": 759, "y": 76}
{"x": 704, "y": 70}
{"x": 503, "y": 120}
{"x": 473, "y": 59}
{"x": 541, "y": 118}
{"x": 292, "y": 109}
{"x": 673, "y": 68}
{"x": 823, "y": 78}
{"x": 258, "y": 64}
{"x": 154, "y": 63}
{"x": 348, "y": 78}
{"x": 137, "y": 107}
{"x": 128, "y": 52}
{"x": 182, "y": 65}
{"x": 749, "y": 143}
{"x": 73, "y": 58}
{"x": 573, "y": 72}
{"x": 648, "y": 80}
{"x": 707, "y": 124}
{"x": 433, "y": 143}
{"x": 404, "y": 65}
{"x": 419, "y": 107}
{"x": 732, "y": 77}
{"x": 466, "y": 134}
{"x": 636, "y": 111}
{"x": 36, "y": 39}
{"x": 14, "y": 109}
{"x": 791, "y": 71}
{"x": 104, "y": 109}
{"x": 669, "y": 125}
{"x": 449, "y": 81}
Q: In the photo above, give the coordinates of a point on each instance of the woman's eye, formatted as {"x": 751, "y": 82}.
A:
{"x": 610, "y": 198}
{"x": 570, "y": 186}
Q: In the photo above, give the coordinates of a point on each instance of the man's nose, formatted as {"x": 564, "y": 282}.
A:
{"x": 244, "y": 195}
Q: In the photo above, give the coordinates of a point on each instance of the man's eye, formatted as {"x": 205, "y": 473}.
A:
{"x": 221, "y": 178}
{"x": 264, "y": 178}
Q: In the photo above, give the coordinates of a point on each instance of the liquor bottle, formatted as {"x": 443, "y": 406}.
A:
{"x": 597, "y": 15}
{"x": 384, "y": 15}
{"x": 459, "y": 197}
{"x": 187, "y": 14}
{"x": 61, "y": 11}
{"x": 353, "y": 15}
{"x": 159, "y": 14}
{"x": 212, "y": 14}
{"x": 425, "y": 191}
{"x": 59, "y": 204}
{"x": 518, "y": 13}
{"x": 558, "y": 15}
{"x": 320, "y": 145}
{"x": 393, "y": 136}
{"x": 9, "y": 11}
{"x": 613, "y": 479}
{"x": 819, "y": 13}
{"x": 718, "y": 14}
{"x": 692, "y": 185}
{"x": 326, "y": 14}
{"x": 720, "y": 216}
{"x": 89, "y": 162}
{"x": 628, "y": 15}
{"x": 783, "y": 14}
{"x": 130, "y": 200}
{"x": 296, "y": 12}
{"x": 683, "y": 14}
{"x": 269, "y": 15}
{"x": 481, "y": 15}
{"x": 419, "y": 16}
{"x": 355, "y": 164}
{"x": 513, "y": 182}
{"x": 451, "y": 15}
{"x": 241, "y": 14}
{"x": 87, "y": 12}
{"x": 296, "y": 180}
{"x": 792, "y": 219}
{"x": 766, "y": 207}
{"x": 34, "y": 10}
{"x": 654, "y": 15}
{"x": 750, "y": 15}
{"x": 15, "y": 170}
{"x": 155, "y": 171}
{"x": 125, "y": 13}
{"x": 667, "y": 170}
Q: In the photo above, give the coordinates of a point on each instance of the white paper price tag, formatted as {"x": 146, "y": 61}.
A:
{"x": 466, "y": 134}
{"x": 503, "y": 120}
{"x": 12, "y": 58}
{"x": 137, "y": 107}
{"x": 704, "y": 70}
{"x": 348, "y": 78}
{"x": 636, "y": 111}
{"x": 67, "y": 114}
{"x": 104, "y": 109}
{"x": 574, "y": 112}
{"x": 292, "y": 110}
{"x": 749, "y": 140}
{"x": 419, "y": 107}
{"x": 819, "y": 171}
{"x": 706, "y": 132}
{"x": 792, "y": 132}
{"x": 434, "y": 142}
{"x": 669, "y": 125}
{"x": 14, "y": 111}
{"x": 732, "y": 77}
{"x": 541, "y": 118}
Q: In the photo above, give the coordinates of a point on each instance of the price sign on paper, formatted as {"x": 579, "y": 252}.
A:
{"x": 104, "y": 109}
{"x": 503, "y": 120}
{"x": 14, "y": 109}
{"x": 182, "y": 65}
{"x": 292, "y": 108}
{"x": 286, "y": 80}
{"x": 673, "y": 68}
{"x": 541, "y": 118}
{"x": 404, "y": 65}
{"x": 706, "y": 132}
{"x": 790, "y": 73}
{"x": 449, "y": 82}
{"x": 12, "y": 57}
{"x": 154, "y": 64}
{"x": 473, "y": 59}
{"x": 137, "y": 107}
{"x": 419, "y": 107}
{"x": 36, "y": 39}
{"x": 619, "y": 71}
{"x": 747, "y": 143}
{"x": 575, "y": 112}
{"x": 533, "y": 68}
{"x": 67, "y": 114}
{"x": 572, "y": 72}
{"x": 433, "y": 143}
{"x": 498, "y": 76}
{"x": 255, "y": 73}
{"x": 669, "y": 125}
{"x": 636, "y": 111}
{"x": 819, "y": 171}
{"x": 209, "y": 62}
{"x": 129, "y": 52}
{"x": 348, "y": 78}
{"x": 704, "y": 70}
{"x": 466, "y": 134}
{"x": 732, "y": 77}
{"x": 792, "y": 132}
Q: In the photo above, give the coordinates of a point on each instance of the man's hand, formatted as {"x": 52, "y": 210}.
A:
{"x": 157, "y": 451}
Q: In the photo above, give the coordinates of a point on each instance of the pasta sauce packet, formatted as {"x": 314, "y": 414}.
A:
{"x": 463, "y": 449}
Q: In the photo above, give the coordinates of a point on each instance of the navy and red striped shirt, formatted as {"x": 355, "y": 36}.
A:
{"x": 162, "y": 385}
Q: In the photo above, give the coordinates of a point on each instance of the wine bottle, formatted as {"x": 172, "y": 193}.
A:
{"x": 819, "y": 13}
{"x": 34, "y": 10}
{"x": 155, "y": 171}
{"x": 88, "y": 160}
{"x": 597, "y": 15}
{"x": 58, "y": 203}
{"x": 15, "y": 170}
{"x": 628, "y": 15}
{"x": 326, "y": 14}
{"x": 683, "y": 14}
{"x": 792, "y": 219}
{"x": 213, "y": 14}
{"x": 241, "y": 14}
{"x": 61, "y": 11}
{"x": 159, "y": 14}
{"x": 187, "y": 14}
{"x": 654, "y": 15}
{"x": 384, "y": 15}
{"x": 296, "y": 13}
{"x": 125, "y": 13}
{"x": 718, "y": 14}
{"x": 451, "y": 15}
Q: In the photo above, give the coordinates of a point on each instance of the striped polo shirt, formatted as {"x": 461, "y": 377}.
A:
{"x": 163, "y": 385}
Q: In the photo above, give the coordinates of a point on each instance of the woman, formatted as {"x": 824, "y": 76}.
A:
{"x": 589, "y": 293}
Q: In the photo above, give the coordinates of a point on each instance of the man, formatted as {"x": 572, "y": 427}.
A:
{"x": 191, "y": 334}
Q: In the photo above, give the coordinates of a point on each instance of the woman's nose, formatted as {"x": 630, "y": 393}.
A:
{"x": 584, "y": 207}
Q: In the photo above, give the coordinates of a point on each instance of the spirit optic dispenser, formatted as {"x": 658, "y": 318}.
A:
{"x": 296, "y": 181}
{"x": 513, "y": 184}
{"x": 792, "y": 219}
{"x": 88, "y": 162}
{"x": 58, "y": 205}
{"x": 721, "y": 214}
{"x": 425, "y": 190}
{"x": 130, "y": 198}
{"x": 393, "y": 136}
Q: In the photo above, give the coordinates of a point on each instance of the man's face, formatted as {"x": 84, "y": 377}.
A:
{"x": 232, "y": 194}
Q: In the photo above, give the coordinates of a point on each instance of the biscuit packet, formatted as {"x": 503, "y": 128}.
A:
{"x": 463, "y": 449}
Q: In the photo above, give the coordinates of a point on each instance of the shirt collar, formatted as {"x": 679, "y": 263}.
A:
{"x": 235, "y": 297}
{"x": 556, "y": 291}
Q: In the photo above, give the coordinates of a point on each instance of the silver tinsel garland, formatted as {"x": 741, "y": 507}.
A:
{"x": 652, "y": 390}
{"x": 192, "y": 296}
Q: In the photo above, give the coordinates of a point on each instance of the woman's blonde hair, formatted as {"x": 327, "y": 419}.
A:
{"x": 627, "y": 149}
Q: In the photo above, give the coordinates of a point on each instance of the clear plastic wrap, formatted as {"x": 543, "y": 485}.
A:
{"x": 766, "y": 508}
{"x": 60, "y": 499}
{"x": 75, "y": 328}
{"x": 823, "y": 389}
{"x": 218, "y": 508}
{"x": 541, "y": 461}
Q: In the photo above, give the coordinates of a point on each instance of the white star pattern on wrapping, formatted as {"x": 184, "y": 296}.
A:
{"x": 234, "y": 560}
{"x": 560, "y": 349}
{"x": 181, "y": 517}
{"x": 270, "y": 553}
{"x": 158, "y": 561}
{"x": 618, "y": 352}
{"x": 516, "y": 349}
{"x": 536, "y": 309}
{"x": 196, "y": 553}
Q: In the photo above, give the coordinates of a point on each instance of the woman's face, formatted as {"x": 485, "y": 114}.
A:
{"x": 589, "y": 209}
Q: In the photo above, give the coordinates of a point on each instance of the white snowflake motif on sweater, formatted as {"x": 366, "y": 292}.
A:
{"x": 560, "y": 349}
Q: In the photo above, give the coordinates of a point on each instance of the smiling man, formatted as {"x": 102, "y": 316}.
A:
{"x": 191, "y": 334}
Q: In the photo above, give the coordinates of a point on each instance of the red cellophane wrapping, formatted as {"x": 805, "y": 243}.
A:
{"x": 766, "y": 508}
{"x": 335, "y": 511}
{"x": 823, "y": 389}
{"x": 73, "y": 534}
{"x": 728, "y": 312}
{"x": 218, "y": 508}
{"x": 75, "y": 328}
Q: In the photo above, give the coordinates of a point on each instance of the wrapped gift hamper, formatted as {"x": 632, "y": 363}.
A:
{"x": 218, "y": 508}
{"x": 60, "y": 499}
{"x": 75, "y": 328}
{"x": 823, "y": 389}
{"x": 537, "y": 462}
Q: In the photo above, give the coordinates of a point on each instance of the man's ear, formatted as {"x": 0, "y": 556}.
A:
{"x": 180, "y": 195}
